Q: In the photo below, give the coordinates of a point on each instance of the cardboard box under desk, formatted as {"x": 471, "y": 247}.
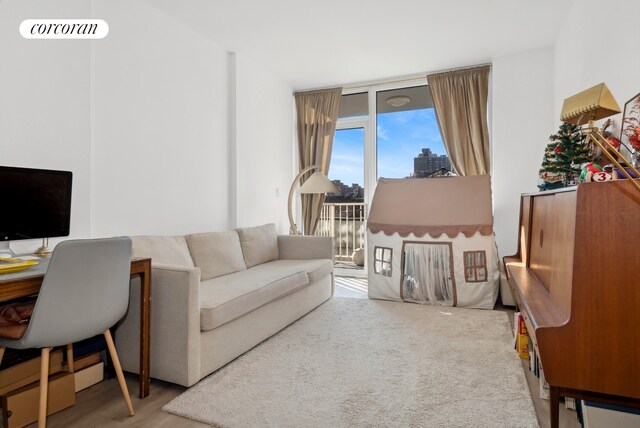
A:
{"x": 89, "y": 376}
{"x": 27, "y": 372}
{"x": 83, "y": 362}
{"x": 20, "y": 407}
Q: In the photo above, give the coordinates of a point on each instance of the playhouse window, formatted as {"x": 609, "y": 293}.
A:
{"x": 382, "y": 260}
{"x": 475, "y": 266}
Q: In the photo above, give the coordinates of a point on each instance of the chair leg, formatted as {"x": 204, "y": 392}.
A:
{"x": 44, "y": 386}
{"x": 2, "y": 353}
{"x": 70, "y": 357}
{"x": 118, "y": 368}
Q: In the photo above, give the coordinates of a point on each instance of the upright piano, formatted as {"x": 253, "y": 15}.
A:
{"x": 576, "y": 280}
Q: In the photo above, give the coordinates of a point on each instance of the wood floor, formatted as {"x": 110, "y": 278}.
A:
{"x": 102, "y": 405}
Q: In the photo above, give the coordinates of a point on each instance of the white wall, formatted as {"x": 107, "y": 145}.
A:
{"x": 599, "y": 43}
{"x": 142, "y": 118}
{"x": 159, "y": 109}
{"x": 264, "y": 107}
{"x": 529, "y": 88}
{"x": 523, "y": 119}
{"x": 45, "y": 102}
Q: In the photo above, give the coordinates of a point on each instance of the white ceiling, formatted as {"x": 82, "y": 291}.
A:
{"x": 314, "y": 44}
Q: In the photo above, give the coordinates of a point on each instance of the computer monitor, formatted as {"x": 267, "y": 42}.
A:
{"x": 35, "y": 203}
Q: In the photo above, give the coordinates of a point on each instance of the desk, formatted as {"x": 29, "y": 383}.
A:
{"x": 28, "y": 282}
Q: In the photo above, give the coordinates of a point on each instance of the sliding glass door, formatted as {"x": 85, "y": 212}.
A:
{"x": 387, "y": 130}
{"x": 343, "y": 214}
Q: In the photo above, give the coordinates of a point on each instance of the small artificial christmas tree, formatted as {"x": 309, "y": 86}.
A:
{"x": 564, "y": 157}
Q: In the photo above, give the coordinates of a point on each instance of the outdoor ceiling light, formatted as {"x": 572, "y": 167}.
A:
{"x": 398, "y": 101}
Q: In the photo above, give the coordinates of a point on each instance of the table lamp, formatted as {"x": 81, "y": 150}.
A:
{"x": 587, "y": 107}
{"x": 317, "y": 183}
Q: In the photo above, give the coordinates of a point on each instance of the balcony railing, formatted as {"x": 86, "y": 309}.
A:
{"x": 346, "y": 223}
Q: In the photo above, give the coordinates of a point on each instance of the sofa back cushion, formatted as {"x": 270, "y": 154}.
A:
{"x": 259, "y": 244}
{"x": 171, "y": 250}
{"x": 216, "y": 253}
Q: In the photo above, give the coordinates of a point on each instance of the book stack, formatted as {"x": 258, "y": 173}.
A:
{"x": 526, "y": 350}
{"x": 521, "y": 336}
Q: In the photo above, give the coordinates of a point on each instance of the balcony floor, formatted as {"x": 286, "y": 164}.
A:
{"x": 355, "y": 288}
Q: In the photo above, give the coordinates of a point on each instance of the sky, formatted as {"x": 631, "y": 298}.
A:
{"x": 401, "y": 137}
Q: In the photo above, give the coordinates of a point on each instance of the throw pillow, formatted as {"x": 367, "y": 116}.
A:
{"x": 259, "y": 244}
{"x": 216, "y": 253}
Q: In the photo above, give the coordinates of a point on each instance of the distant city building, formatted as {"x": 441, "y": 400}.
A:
{"x": 352, "y": 193}
{"x": 427, "y": 162}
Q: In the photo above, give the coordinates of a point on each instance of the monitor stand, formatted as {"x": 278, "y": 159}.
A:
{"x": 5, "y": 250}
{"x": 44, "y": 250}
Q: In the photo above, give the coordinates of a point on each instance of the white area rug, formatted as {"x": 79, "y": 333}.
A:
{"x": 366, "y": 363}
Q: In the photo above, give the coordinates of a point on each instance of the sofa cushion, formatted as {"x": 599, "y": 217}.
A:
{"x": 316, "y": 269}
{"x": 171, "y": 250}
{"x": 216, "y": 253}
{"x": 259, "y": 244}
{"x": 229, "y": 297}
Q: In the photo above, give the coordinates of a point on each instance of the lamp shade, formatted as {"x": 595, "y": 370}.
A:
{"x": 318, "y": 183}
{"x": 591, "y": 104}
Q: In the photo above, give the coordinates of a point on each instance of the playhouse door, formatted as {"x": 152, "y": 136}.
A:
{"x": 427, "y": 273}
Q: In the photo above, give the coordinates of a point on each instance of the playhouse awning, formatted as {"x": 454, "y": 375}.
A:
{"x": 450, "y": 205}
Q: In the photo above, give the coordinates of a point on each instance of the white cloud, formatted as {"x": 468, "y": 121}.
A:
{"x": 404, "y": 116}
{"x": 383, "y": 133}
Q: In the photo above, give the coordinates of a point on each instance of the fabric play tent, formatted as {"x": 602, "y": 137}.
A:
{"x": 430, "y": 240}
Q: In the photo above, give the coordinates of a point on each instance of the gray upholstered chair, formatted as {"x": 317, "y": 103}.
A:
{"x": 85, "y": 292}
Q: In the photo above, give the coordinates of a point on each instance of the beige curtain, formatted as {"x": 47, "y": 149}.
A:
{"x": 460, "y": 100}
{"x": 317, "y": 112}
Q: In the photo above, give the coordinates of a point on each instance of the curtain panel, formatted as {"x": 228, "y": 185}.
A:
{"x": 317, "y": 112}
{"x": 460, "y": 101}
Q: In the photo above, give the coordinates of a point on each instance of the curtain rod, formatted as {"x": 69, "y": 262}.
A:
{"x": 394, "y": 80}
{"x": 453, "y": 70}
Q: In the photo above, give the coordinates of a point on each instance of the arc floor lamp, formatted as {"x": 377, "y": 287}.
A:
{"x": 317, "y": 183}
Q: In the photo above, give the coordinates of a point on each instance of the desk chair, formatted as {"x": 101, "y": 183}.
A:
{"x": 85, "y": 291}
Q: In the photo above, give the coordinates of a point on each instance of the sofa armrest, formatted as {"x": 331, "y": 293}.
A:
{"x": 175, "y": 325}
{"x": 299, "y": 247}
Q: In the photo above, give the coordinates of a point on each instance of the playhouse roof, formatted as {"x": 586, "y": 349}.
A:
{"x": 435, "y": 206}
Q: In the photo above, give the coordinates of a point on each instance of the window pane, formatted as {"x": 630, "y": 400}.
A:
{"x": 378, "y": 253}
{"x": 469, "y": 274}
{"x": 354, "y": 105}
{"x": 408, "y": 137}
{"x": 386, "y": 269}
{"x": 346, "y": 170}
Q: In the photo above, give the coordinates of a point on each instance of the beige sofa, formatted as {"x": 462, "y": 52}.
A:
{"x": 216, "y": 295}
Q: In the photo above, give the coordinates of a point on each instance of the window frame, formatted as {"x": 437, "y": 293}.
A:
{"x": 382, "y": 261}
{"x": 475, "y": 268}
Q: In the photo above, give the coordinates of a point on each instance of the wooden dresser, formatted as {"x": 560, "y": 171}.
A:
{"x": 576, "y": 279}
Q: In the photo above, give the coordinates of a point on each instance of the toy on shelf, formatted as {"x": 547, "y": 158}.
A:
{"x": 590, "y": 170}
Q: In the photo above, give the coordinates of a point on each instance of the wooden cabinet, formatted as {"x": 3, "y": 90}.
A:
{"x": 576, "y": 278}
